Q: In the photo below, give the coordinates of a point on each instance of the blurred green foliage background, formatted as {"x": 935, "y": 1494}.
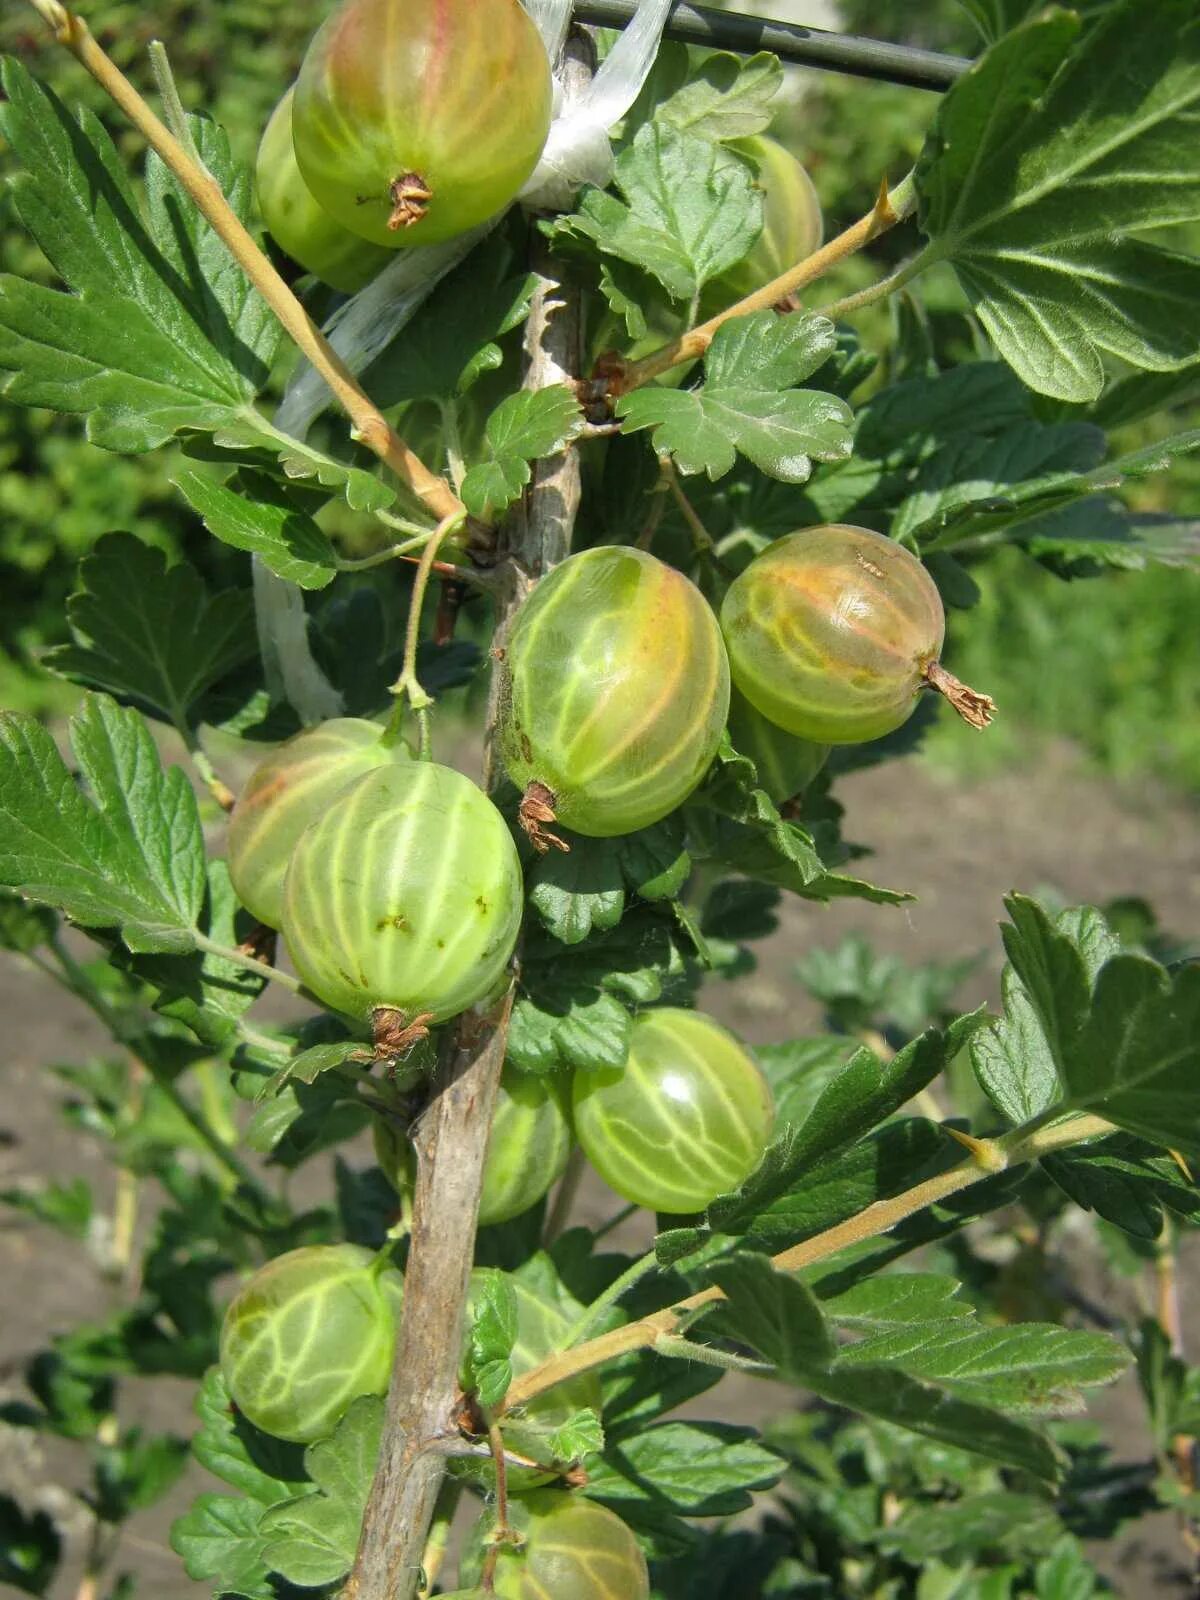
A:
{"x": 1111, "y": 662}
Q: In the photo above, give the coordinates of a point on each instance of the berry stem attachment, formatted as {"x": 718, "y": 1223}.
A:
{"x": 891, "y": 207}
{"x": 368, "y": 423}
{"x": 977, "y": 710}
{"x": 408, "y": 685}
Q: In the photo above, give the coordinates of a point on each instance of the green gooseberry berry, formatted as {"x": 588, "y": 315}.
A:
{"x": 308, "y": 1334}
{"x": 792, "y": 223}
{"x": 527, "y": 1152}
{"x": 416, "y": 120}
{"x": 616, "y": 691}
{"x": 301, "y": 227}
{"x": 289, "y": 791}
{"x": 687, "y": 1118}
{"x": 785, "y": 764}
{"x": 834, "y": 631}
{"x": 573, "y": 1549}
{"x": 406, "y": 894}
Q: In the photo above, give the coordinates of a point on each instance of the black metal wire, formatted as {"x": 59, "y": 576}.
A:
{"x": 811, "y": 47}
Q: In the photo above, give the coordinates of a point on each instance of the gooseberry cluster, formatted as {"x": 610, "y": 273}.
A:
{"x": 398, "y": 885}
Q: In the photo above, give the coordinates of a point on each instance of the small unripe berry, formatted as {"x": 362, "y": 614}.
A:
{"x": 574, "y": 1549}
{"x": 617, "y": 691}
{"x": 301, "y": 227}
{"x": 527, "y": 1148}
{"x": 308, "y": 1334}
{"x": 834, "y": 631}
{"x": 406, "y": 894}
{"x": 687, "y": 1118}
{"x": 416, "y": 120}
{"x": 286, "y": 793}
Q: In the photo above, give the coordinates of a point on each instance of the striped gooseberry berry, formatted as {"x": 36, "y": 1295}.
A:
{"x": 616, "y": 692}
{"x": 405, "y": 896}
{"x": 792, "y": 222}
{"x": 687, "y": 1118}
{"x": 573, "y": 1549}
{"x": 834, "y": 631}
{"x": 527, "y": 1148}
{"x": 301, "y": 227}
{"x": 785, "y": 764}
{"x": 416, "y": 120}
{"x": 289, "y": 791}
{"x": 308, "y": 1334}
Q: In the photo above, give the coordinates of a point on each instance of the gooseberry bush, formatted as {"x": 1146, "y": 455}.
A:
{"x": 538, "y": 324}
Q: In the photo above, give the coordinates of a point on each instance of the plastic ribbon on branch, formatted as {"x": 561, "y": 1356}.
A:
{"x": 578, "y": 150}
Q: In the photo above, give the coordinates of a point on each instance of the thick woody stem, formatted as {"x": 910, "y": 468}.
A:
{"x": 452, "y": 1138}
{"x": 369, "y": 424}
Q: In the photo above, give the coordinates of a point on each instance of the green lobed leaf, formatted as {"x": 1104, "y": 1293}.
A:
{"x": 765, "y": 1309}
{"x": 1127, "y": 1182}
{"x": 572, "y": 1008}
{"x": 207, "y": 993}
{"x": 1044, "y": 161}
{"x": 251, "y": 441}
{"x": 693, "y": 1469}
{"x": 1029, "y": 1368}
{"x": 263, "y": 1469}
{"x": 308, "y": 1065}
{"x": 893, "y": 1298}
{"x": 749, "y": 402}
{"x": 1121, "y": 1033}
{"x": 260, "y": 516}
{"x": 525, "y": 427}
{"x": 219, "y": 1541}
{"x": 732, "y": 821}
{"x": 149, "y": 633}
{"x": 487, "y": 1359}
{"x": 1000, "y": 1522}
{"x": 584, "y": 891}
{"x": 131, "y": 856}
{"x": 312, "y": 1540}
{"x": 454, "y": 338}
{"x": 689, "y": 210}
{"x": 725, "y": 97}
{"x": 158, "y": 329}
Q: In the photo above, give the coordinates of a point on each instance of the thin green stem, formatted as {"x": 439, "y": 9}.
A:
{"x": 615, "y": 1221}
{"x": 408, "y": 685}
{"x": 904, "y": 274}
{"x": 381, "y": 557}
{"x": 614, "y": 1292}
{"x": 708, "y": 1355}
{"x": 238, "y": 958}
{"x": 564, "y": 1198}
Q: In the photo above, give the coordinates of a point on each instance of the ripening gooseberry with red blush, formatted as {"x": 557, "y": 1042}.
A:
{"x": 833, "y": 632}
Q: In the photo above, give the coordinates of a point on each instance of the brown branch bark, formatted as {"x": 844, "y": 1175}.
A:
{"x": 452, "y": 1137}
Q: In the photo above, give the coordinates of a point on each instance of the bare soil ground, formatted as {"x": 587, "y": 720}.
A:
{"x": 959, "y": 848}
